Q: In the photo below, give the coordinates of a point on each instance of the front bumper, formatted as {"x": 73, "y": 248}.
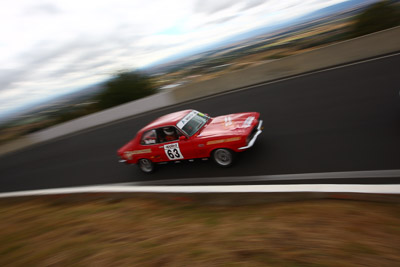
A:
{"x": 254, "y": 138}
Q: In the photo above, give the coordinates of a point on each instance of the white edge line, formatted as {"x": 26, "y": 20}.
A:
{"x": 318, "y": 188}
{"x": 136, "y": 188}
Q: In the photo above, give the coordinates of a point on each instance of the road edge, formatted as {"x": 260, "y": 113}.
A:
{"x": 217, "y": 195}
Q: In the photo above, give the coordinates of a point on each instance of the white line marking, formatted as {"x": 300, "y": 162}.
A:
{"x": 136, "y": 188}
{"x": 328, "y": 188}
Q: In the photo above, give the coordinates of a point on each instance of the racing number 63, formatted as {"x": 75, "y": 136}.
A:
{"x": 173, "y": 152}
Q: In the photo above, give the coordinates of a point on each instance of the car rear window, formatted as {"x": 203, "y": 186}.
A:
{"x": 149, "y": 138}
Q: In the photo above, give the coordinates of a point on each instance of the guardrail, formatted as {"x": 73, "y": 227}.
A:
{"x": 372, "y": 45}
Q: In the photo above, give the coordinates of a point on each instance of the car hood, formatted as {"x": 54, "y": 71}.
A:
{"x": 232, "y": 124}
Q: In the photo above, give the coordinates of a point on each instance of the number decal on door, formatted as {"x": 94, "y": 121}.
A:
{"x": 173, "y": 152}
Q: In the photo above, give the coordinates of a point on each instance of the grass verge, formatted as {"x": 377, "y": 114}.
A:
{"x": 146, "y": 232}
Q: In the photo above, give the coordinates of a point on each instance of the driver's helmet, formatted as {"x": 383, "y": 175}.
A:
{"x": 168, "y": 131}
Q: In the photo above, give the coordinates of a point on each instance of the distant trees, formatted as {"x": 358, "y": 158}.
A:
{"x": 124, "y": 87}
{"x": 73, "y": 113}
{"x": 379, "y": 16}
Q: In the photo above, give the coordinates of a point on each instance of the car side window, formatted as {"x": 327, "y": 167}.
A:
{"x": 168, "y": 134}
{"x": 149, "y": 138}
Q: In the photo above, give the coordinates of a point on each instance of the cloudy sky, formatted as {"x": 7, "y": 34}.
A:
{"x": 48, "y": 48}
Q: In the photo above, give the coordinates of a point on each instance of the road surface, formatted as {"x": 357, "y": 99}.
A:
{"x": 342, "y": 119}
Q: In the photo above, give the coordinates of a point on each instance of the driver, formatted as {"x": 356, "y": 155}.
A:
{"x": 170, "y": 134}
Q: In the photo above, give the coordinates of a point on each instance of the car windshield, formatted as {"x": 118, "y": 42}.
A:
{"x": 192, "y": 122}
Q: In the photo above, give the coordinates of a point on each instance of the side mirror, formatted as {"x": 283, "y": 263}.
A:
{"x": 182, "y": 137}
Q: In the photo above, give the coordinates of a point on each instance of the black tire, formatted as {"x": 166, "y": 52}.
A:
{"x": 223, "y": 157}
{"x": 146, "y": 165}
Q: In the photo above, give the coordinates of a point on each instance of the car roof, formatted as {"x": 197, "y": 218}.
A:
{"x": 167, "y": 120}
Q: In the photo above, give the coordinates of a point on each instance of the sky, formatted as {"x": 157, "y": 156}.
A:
{"x": 49, "y": 48}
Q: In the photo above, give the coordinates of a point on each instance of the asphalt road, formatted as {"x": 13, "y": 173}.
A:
{"x": 343, "y": 119}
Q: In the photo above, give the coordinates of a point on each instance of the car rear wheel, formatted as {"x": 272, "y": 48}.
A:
{"x": 146, "y": 165}
{"x": 223, "y": 157}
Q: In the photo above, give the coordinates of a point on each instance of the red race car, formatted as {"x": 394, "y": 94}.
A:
{"x": 189, "y": 134}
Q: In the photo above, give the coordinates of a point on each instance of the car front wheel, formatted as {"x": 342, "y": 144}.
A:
{"x": 146, "y": 165}
{"x": 223, "y": 157}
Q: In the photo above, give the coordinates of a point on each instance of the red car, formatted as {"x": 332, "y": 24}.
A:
{"x": 189, "y": 134}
